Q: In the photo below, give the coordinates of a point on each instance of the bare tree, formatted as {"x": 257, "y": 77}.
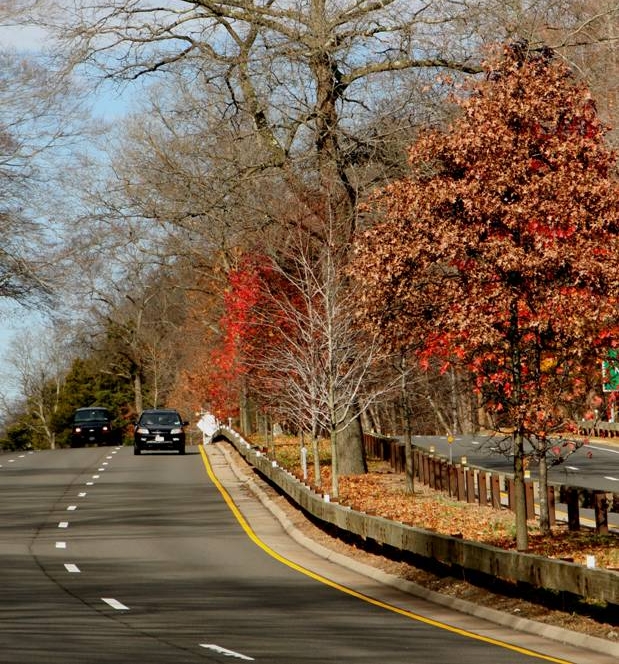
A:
{"x": 325, "y": 369}
{"x": 39, "y": 371}
{"x": 307, "y": 94}
{"x": 138, "y": 319}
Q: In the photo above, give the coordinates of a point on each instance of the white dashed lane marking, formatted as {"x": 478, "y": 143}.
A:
{"x": 602, "y": 449}
{"x": 225, "y": 652}
{"x": 63, "y": 524}
{"x": 115, "y": 604}
{"x": 61, "y": 545}
{"x": 71, "y": 508}
{"x": 72, "y": 568}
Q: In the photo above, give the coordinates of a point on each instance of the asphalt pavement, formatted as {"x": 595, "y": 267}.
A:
{"x": 539, "y": 637}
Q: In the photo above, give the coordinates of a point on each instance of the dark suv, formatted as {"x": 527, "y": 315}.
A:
{"x": 92, "y": 425}
{"x": 159, "y": 429}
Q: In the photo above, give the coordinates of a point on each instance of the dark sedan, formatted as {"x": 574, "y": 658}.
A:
{"x": 159, "y": 429}
{"x": 92, "y": 425}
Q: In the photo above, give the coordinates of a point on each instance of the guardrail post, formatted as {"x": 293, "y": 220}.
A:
{"x": 445, "y": 476}
{"x": 573, "y": 516}
{"x": 601, "y": 513}
{"x": 431, "y": 472}
{"x": 426, "y": 469}
{"x": 453, "y": 480}
{"x": 495, "y": 491}
{"x": 418, "y": 465}
{"x": 530, "y": 500}
{"x": 470, "y": 485}
{"x": 482, "y": 488}
{"x": 552, "y": 516}
{"x": 511, "y": 494}
{"x": 461, "y": 483}
{"x": 438, "y": 475}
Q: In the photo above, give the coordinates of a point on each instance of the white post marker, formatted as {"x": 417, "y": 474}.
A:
{"x": 304, "y": 461}
{"x": 207, "y": 424}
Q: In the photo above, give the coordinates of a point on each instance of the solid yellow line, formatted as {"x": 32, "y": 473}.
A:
{"x": 349, "y": 591}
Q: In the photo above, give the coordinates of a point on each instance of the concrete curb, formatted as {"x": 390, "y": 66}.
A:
{"x": 551, "y": 632}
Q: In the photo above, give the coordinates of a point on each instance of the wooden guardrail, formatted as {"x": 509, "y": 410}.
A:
{"x": 477, "y": 485}
{"x": 598, "y": 429}
{"x": 536, "y": 571}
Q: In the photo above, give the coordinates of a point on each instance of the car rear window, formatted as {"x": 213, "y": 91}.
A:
{"x": 91, "y": 414}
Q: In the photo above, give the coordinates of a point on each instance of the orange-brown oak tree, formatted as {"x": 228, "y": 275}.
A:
{"x": 498, "y": 253}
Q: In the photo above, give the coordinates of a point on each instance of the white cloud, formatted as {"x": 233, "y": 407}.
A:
{"x": 22, "y": 37}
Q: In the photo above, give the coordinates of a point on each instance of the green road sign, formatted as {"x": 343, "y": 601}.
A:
{"x": 610, "y": 372}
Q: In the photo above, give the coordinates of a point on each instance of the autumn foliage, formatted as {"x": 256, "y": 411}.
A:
{"x": 252, "y": 328}
{"x": 499, "y": 251}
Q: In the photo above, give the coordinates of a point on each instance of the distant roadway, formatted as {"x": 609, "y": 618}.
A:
{"x": 592, "y": 466}
{"x": 168, "y": 559}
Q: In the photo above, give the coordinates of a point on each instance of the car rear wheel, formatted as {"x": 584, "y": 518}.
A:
{"x": 136, "y": 450}
{"x": 181, "y": 450}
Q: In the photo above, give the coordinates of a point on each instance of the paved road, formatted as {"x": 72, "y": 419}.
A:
{"x": 107, "y": 557}
{"x": 593, "y": 466}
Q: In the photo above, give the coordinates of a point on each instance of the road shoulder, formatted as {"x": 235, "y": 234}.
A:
{"x": 399, "y": 582}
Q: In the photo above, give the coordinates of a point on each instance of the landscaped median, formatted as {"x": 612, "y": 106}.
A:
{"x": 536, "y": 571}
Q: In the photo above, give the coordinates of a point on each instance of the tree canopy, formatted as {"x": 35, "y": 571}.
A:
{"x": 498, "y": 252}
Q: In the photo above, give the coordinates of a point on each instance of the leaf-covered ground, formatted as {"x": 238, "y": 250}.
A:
{"x": 382, "y": 492}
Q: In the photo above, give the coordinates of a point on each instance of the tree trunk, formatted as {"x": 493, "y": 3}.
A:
{"x": 137, "y": 392}
{"x": 316, "y": 453}
{"x": 350, "y": 450}
{"x": 544, "y": 515}
{"x": 335, "y": 473}
{"x": 245, "y": 413}
{"x": 520, "y": 506}
{"x": 408, "y": 445}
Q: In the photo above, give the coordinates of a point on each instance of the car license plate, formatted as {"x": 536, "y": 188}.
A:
{"x": 159, "y": 439}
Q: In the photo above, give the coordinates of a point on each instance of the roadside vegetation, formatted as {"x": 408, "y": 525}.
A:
{"x": 382, "y": 492}
{"x": 322, "y": 218}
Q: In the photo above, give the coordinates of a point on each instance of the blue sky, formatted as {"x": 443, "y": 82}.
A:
{"x": 109, "y": 105}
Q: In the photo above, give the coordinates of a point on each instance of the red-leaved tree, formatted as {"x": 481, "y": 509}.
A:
{"x": 499, "y": 252}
